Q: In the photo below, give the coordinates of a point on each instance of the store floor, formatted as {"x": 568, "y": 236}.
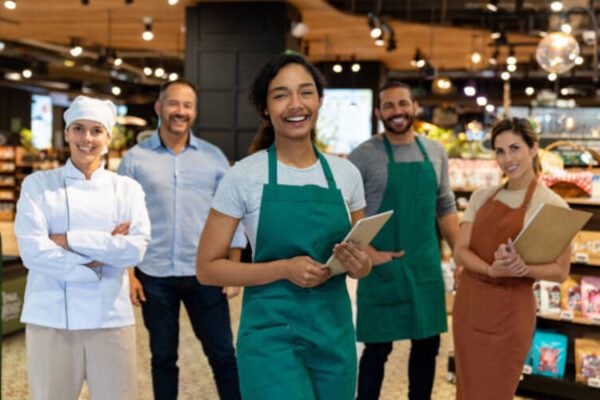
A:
{"x": 195, "y": 377}
{"x": 195, "y": 381}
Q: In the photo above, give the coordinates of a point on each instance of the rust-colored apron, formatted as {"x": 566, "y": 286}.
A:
{"x": 493, "y": 318}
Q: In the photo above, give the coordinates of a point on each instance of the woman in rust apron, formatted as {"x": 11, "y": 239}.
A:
{"x": 494, "y": 309}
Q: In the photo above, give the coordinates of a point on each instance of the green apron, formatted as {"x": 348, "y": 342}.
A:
{"x": 293, "y": 342}
{"x": 404, "y": 298}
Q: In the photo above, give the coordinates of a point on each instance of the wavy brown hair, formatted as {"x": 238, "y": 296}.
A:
{"x": 520, "y": 127}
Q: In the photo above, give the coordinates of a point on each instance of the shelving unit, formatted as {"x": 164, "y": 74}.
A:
{"x": 8, "y": 196}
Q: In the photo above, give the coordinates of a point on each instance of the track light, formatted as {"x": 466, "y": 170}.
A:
{"x": 556, "y": 6}
{"x": 173, "y": 76}
{"x": 505, "y": 75}
{"x": 10, "y": 4}
{"x": 148, "y": 71}
{"x": 159, "y": 72}
{"x": 27, "y": 73}
{"x": 529, "y": 91}
{"x": 418, "y": 60}
{"x": 391, "y": 45}
{"x": 337, "y": 68}
{"x": 511, "y": 59}
{"x": 118, "y": 61}
{"x": 469, "y": 89}
{"x": 147, "y": 35}
{"x": 552, "y": 77}
{"x": 476, "y": 57}
{"x": 492, "y": 5}
{"x": 116, "y": 90}
{"x": 76, "y": 48}
{"x": 490, "y": 108}
{"x": 578, "y": 60}
{"x": 493, "y": 60}
{"x": 374, "y": 25}
{"x": 511, "y": 67}
{"x": 481, "y": 101}
{"x": 355, "y": 67}
{"x": 380, "y": 41}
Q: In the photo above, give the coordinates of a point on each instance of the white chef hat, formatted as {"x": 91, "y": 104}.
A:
{"x": 83, "y": 107}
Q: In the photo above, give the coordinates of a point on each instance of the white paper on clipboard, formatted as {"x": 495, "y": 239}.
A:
{"x": 361, "y": 234}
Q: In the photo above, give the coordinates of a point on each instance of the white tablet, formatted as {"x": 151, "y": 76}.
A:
{"x": 361, "y": 234}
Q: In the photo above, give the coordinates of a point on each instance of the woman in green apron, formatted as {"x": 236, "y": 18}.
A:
{"x": 296, "y": 339}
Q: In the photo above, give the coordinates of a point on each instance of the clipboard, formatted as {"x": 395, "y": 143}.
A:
{"x": 549, "y": 230}
{"x": 361, "y": 234}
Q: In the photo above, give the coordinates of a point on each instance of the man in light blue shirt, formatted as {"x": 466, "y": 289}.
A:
{"x": 180, "y": 174}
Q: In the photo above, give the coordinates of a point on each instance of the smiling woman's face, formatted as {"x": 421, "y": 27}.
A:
{"x": 513, "y": 154}
{"x": 293, "y": 102}
{"x": 87, "y": 140}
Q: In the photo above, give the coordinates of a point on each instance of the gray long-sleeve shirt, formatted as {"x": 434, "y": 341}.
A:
{"x": 371, "y": 160}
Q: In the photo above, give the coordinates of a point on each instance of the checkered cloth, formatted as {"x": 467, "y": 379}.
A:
{"x": 582, "y": 180}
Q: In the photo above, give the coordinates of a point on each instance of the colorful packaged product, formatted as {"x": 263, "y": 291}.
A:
{"x": 587, "y": 359}
{"x": 549, "y": 354}
{"x": 550, "y": 297}
{"x": 590, "y": 297}
{"x": 570, "y": 296}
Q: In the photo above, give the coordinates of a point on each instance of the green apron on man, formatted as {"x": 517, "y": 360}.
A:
{"x": 404, "y": 298}
{"x": 298, "y": 343}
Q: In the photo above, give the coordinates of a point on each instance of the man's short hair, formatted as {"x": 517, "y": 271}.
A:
{"x": 168, "y": 84}
{"x": 391, "y": 84}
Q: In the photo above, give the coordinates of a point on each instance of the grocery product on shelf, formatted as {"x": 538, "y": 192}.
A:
{"x": 570, "y": 296}
{"x": 587, "y": 359}
{"x": 590, "y": 297}
{"x": 549, "y": 354}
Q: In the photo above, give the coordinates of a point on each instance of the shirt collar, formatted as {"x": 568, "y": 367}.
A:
{"x": 156, "y": 141}
{"x": 71, "y": 171}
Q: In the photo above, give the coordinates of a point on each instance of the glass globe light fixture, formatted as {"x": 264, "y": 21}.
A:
{"x": 557, "y": 52}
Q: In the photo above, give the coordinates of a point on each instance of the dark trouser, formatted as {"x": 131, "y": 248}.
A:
{"x": 208, "y": 311}
{"x": 421, "y": 368}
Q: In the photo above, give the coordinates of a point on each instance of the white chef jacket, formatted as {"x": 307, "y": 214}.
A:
{"x": 61, "y": 291}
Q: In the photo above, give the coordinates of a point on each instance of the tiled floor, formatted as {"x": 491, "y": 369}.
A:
{"x": 195, "y": 381}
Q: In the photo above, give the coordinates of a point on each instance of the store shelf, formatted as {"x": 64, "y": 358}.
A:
{"x": 542, "y": 387}
{"x": 574, "y": 320}
{"x": 583, "y": 201}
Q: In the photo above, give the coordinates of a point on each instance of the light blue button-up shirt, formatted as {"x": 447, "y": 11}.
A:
{"x": 179, "y": 191}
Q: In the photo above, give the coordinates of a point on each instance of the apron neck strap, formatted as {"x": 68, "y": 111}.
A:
{"x": 272, "y": 155}
{"x": 390, "y": 151}
{"x": 529, "y": 194}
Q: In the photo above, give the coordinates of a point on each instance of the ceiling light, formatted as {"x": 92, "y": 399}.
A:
{"x": 116, "y": 90}
{"x": 173, "y": 76}
{"x": 493, "y": 60}
{"x": 147, "y": 71}
{"x": 505, "y": 75}
{"x": 27, "y": 73}
{"x": 299, "y": 29}
{"x": 552, "y": 77}
{"x": 2, "y": 46}
{"x": 529, "y": 91}
{"x": 355, "y": 67}
{"x": 337, "y": 68}
{"x": 159, "y": 72}
{"x": 511, "y": 67}
{"x": 12, "y": 76}
{"x": 490, "y": 108}
{"x": 76, "y": 49}
{"x": 495, "y": 35}
{"x": 379, "y": 41}
{"x": 566, "y": 28}
{"x": 564, "y": 91}
{"x": 442, "y": 86}
{"x": 481, "y": 101}
{"x": 476, "y": 58}
{"x": 418, "y": 59}
{"x": 374, "y": 26}
{"x": 470, "y": 90}
{"x": 492, "y": 5}
{"x": 421, "y": 63}
{"x": 147, "y": 35}
{"x": 556, "y": 6}
{"x": 557, "y": 52}
{"x": 10, "y": 4}
{"x": 578, "y": 60}
{"x": 118, "y": 61}
{"x": 173, "y": 2}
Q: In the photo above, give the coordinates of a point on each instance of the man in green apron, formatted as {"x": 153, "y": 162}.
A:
{"x": 403, "y": 297}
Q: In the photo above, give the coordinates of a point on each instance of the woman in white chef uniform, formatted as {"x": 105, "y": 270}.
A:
{"x": 78, "y": 228}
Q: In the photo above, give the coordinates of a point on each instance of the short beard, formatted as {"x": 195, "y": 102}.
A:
{"x": 389, "y": 128}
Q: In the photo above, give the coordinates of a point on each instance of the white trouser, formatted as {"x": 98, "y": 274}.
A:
{"x": 59, "y": 360}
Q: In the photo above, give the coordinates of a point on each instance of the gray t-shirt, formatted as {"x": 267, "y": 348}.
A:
{"x": 240, "y": 192}
{"x": 371, "y": 160}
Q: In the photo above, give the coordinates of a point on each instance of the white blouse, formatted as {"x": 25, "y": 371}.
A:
{"x": 62, "y": 292}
